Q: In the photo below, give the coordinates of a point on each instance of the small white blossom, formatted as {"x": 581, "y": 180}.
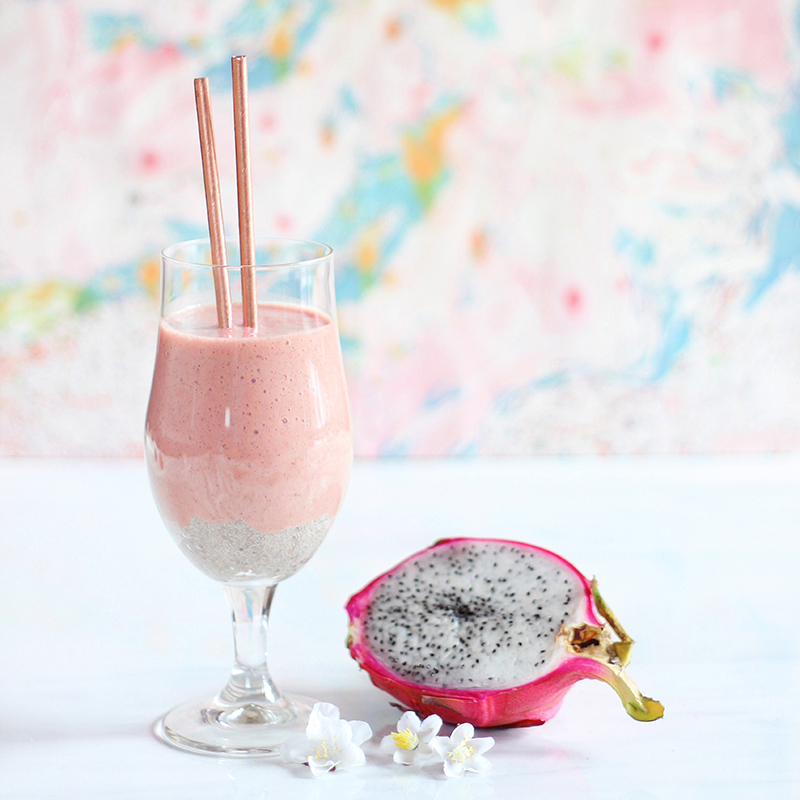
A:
{"x": 462, "y": 753}
{"x": 329, "y": 742}
{"x": 411, "y": 743}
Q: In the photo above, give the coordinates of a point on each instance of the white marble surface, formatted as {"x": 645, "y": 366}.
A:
{"x": 104, "y": 625}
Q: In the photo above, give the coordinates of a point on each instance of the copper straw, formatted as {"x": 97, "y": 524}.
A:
{"x": 216, "y": 229}
{"x": 247, "y": 244}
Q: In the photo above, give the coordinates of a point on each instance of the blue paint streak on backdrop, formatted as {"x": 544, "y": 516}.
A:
{"x": 640, "y": 250}
{"x": 183, "y": 231}
{"x": 383, "y": 192}
{"x": 106, "y": 29}
{"x": 676, "y": 330}
{"x": 439, "y": 395}
{"x": 257, "y": 17}
{"x": 786, "y": 235}
{"x": 348, "y": 100}
{"x": 789, "y": 125}
{"x": 385, "y": 199}
{"x": 510, "y": 399}
{"x": 730, "y": 83}
{"x": 478, "y": 19}
{"x": 785, "y": 254}
{"x": 400, "y": 447}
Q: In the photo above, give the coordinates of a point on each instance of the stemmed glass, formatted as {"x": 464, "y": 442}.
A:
{"x": 248, "y": 448}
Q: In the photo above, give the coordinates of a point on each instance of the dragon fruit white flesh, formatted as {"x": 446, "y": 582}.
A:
{"x": 489, "y": 632}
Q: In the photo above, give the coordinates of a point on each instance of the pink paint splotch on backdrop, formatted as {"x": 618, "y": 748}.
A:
{"x": 751, "y": 37}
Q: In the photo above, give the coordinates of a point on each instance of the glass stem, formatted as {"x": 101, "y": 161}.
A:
{"x": 250, "y": 680}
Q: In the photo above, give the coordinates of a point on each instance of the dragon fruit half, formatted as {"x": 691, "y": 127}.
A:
{"x": 489, "y": 632}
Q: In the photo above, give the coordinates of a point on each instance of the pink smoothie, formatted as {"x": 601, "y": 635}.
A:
{"x": 248, "y": 428}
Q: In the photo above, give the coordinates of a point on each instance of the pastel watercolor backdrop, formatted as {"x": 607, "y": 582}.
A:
{"x": 561, "y": 226}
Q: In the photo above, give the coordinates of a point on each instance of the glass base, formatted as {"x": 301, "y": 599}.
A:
{"x": 241, "y": 730}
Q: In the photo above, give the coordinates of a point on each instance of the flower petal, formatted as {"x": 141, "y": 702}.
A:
{"x": 387, "y": 745}
{"x": 319, "y": 722}
{"x": 352, "y": 757}
{"x": 453, "y": 769}
{"x": 321, "y": 766}
{"x": 339, "y": 735}
{"x": 430, "y": 727}
{"x": 440, "y": 745}
{"x": 462, "y": 733}
{"x": 482, "y": 745}
{"x": 425, "y": 752}
{"x": 361, "y": 731}
{"x": 328, "y": 710}
{"x": 404, "y": 757}
{"x": 477, "y": 764}
{"x": 409, "y": 721}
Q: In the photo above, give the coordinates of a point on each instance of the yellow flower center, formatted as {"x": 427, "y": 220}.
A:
{"x": 406, "y": 739}
{"x": 462, "y": 752}
{"x": 322, "y": 750}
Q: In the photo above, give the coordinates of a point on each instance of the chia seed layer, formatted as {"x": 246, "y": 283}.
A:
{"x": 235, "y": 551}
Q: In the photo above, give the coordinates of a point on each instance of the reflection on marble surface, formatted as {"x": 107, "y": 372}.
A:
{"x": 104, "y": 625}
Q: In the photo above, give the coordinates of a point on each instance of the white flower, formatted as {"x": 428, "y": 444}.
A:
{"x": 329, "y": 742}
{"x": 411, "y": 743}
{"x": 462, "y": 753}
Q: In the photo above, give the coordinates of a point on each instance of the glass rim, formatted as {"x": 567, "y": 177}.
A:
{"x": 168, "y": 253}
